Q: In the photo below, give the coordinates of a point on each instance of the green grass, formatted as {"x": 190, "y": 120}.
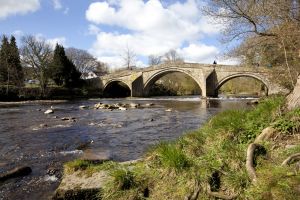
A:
{"x": 171, "y": 156}
{"x": 170, "y": 170}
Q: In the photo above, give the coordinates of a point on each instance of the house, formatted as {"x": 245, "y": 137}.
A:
{"x": 88, "y": 75}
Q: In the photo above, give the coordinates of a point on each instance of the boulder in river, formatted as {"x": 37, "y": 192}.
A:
{"x": 98, "y": 105}
{"x": 49, "y": 111}
{"x": 122, "y": 108}
{"x": 134, "y": 105}
{"x": 94, "y": 156}
{"x": 16, "y": 172}
{"x": 83, "y": 107}
{"x": 169, "y": 110}
{"x": 43, "y": 125}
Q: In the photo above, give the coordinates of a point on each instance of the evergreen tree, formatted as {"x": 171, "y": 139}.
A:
{"x": 57, "y": 66}
{"x": 63, "y": 71}
{"x": 4, "y": 60}
{"x": 17, "y": 74}
{"x": 11, "y": 72}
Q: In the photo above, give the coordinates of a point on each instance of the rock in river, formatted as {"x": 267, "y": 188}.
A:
{"x": 83, "y": 107}
{"x": 134, "y": 105}
{"x": 122, "y": 108}
{"x": 95, "y": 156}
{"x": 49, "y": 111}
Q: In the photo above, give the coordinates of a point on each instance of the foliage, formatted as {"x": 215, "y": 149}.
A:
{"x": 62, "y": 70}
{"x": 173, "y": 84}
{"x": 11, "y": 72}
{"x": 243, "y": 86}
{"x": 288, "y": 123}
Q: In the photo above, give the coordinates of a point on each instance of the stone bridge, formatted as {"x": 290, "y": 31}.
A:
{"x": 209, "y": 77}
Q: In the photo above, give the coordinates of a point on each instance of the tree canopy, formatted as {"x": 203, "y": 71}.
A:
{"x": 268, "y": 31}
{"x": 63, "y": 71}
{"x": 11, "y": 72}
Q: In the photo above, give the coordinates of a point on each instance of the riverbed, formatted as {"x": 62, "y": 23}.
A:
{"x": 44, "y": 142}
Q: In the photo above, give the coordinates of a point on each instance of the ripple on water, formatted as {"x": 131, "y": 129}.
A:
{"x": 29, "y": 137}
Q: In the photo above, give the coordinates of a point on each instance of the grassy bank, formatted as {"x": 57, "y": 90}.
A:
{"x": 209, "y": 163}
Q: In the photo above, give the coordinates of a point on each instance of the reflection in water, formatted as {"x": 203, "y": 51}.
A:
{"x": 43, "y": 142}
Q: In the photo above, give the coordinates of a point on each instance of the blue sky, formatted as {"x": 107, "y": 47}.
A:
{"x": 105, "y": 28}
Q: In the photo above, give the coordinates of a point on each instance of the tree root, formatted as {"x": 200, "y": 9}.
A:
{"x": 266, "y": 134}
{"x": 291, "y": 159}
{"x": 194, "y": 195}
{"x": 222, "y": 196}
{"x": 250, "y": 162}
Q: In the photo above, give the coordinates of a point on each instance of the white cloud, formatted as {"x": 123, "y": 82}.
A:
{"x": 199, "y": 53}
{"x": 93, "y": 30}
{"x": 52, "y": 41}
{"x": 16, "y": 7}
{"x": 151, "y": 28}
{"x": 57, "y": 4}
{"x": 18, "y": 33}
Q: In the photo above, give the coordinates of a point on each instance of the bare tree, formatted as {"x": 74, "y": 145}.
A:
{"x": 172, "y": 56}
{"x": 267, "y": 23}
{"x": 129, "y": 57}
{"x": 85, "y": 62}
{"x": 36, "y": 53}
{"x": 154, "y": 60}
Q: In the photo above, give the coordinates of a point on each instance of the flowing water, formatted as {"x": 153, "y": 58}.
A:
{"x": 44, "y": 142}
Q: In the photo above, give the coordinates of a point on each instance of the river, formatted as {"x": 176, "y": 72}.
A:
{"x": 44, "y": 142}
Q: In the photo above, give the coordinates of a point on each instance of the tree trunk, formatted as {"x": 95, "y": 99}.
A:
{"x": 293, "y": 99}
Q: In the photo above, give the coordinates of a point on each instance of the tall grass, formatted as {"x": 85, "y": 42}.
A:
{"x": 172, "y": 157}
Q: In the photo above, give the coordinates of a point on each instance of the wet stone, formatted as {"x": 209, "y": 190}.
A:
{"x": 94, "y": 156}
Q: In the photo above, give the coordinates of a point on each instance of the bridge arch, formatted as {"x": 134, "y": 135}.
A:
{"x": 116, "y": 88}
{"x": 250, "y": 75}
{"x": 159, "y": 74}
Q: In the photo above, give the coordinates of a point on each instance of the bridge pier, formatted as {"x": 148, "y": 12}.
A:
{"x": 137, "y": 87}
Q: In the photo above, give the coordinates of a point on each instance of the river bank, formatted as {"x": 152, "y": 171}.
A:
{"x": 238, "y": 154}
{"x": 45, "y": 142}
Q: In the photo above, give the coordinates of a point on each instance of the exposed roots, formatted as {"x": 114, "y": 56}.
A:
{"x": 250, "y": 162}
{"x": 222, "y": 196}
{"x": 194, "y": 195}
{"x": 291, "y": 159}
{"x": 266, "y": 134}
